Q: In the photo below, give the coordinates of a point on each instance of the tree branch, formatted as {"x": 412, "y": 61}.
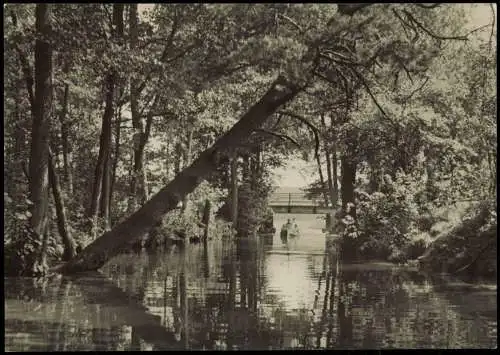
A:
{"x": 148, "y": 101}
{"x": 430, "y": 33}
{"x": 375, "y": 101}
{"x": 400, "y": 61}
{"x": 492, "y": 24}
{"x": 149, "y": 121}
{"x": 430, "y": 6}
{"x": 277, "y": 122}
{"x": 308, "y": 124}
{"x": 170, "y": 40}
{"x": 417, "y": 89}
{"x": 295, "y": 24}
{"x": 482, "y": 28}
{"x": 278, "y": 135}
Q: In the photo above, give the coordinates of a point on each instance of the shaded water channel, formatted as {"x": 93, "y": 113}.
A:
{"x": 254, "y": 296}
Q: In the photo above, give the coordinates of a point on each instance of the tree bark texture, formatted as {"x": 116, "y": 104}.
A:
{"x": 348, "y": 167}
{"x": 322, "y": 180}
{"x": 104, "y": 149}
{"x": 66, "y": 148}
{"x": 39, "y": 155}
{"x": 234, "y": 191}
{"x": 187, "y": 161}
{"x": 62, "y": 223}
{"x": 335, "y": 174}
{"x": 139, "y": 192}
{"x": 103, "y": 159}
{"x": 330, "y": 169}
{"x": 116, "y": 158}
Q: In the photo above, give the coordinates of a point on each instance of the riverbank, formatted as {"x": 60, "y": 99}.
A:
{"x": 468, "y": 248}
{"x": 457, "y": 240}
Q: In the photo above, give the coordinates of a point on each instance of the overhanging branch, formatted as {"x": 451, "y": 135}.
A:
{"x": 308, "y": 124}
{"x": 372, "y": 96}
{"x": 278, "y": 135}
{"x": 430, "y": 33}
{"x": 417, "y": 89}
{"x": 292, "y": 22}
{"x": 429, "y": 6}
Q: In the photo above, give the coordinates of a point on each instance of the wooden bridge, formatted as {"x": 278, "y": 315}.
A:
{"x": 295, "y": 202}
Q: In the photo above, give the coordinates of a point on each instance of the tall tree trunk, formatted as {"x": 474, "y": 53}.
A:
{"x": 329, "y": 175}
{"x": 62, "y": 224}
{"x": 335, "y": 175}
{"x": 105, "y": 195}
{"x": 39, "y": 156}
{"x": 234, "y": 191}
{"x": 118, "y": 121}
{"x": 255, "y": 167}
{"x": 348, "y": 182}
{"x": 327, "y": 148}
{"x": 322, "y": 180}
{"x": 374, "y": 176}
{"x": 168, "y": 163}
{"x": 177, "y": 159}
{"x": 66, "y": 149}
{"x": 139, "y": 223}
{"x": 103, "y": 159}
{"x": 187, "y": 161}
{"x": 138, "y": 183}
{"x": 245, "y": 171}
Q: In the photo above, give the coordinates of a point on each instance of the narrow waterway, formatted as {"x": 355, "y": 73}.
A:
{"x": 261, "y": 295}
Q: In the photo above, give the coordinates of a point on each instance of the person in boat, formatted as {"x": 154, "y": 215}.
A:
{"x": 285, "y": 230}
{"x": 294, "y": 230}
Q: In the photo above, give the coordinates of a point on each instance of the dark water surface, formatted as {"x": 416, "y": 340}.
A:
{"x": 255, "y": 296}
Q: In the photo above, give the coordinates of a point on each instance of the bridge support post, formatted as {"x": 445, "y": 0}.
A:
{"x": 289, "y": 203}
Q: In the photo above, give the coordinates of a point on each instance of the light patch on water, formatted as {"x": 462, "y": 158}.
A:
{"x": 288, "y": 278}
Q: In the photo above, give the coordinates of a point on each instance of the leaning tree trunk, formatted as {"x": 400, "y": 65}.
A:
{"x": 62, "y": 224}
{"x": 139, "y": 223}
{"x": 39, "y": 156}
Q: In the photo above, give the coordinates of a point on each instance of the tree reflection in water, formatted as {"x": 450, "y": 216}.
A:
{"x": 231, "y": 295}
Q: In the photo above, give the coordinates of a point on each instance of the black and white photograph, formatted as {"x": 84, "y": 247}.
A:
{"x": 250, "y": 176}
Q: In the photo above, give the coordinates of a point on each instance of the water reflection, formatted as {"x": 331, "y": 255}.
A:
{"x": 246, "y": 296}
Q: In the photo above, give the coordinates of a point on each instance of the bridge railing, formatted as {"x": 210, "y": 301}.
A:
{"x": 293, "y": 199}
